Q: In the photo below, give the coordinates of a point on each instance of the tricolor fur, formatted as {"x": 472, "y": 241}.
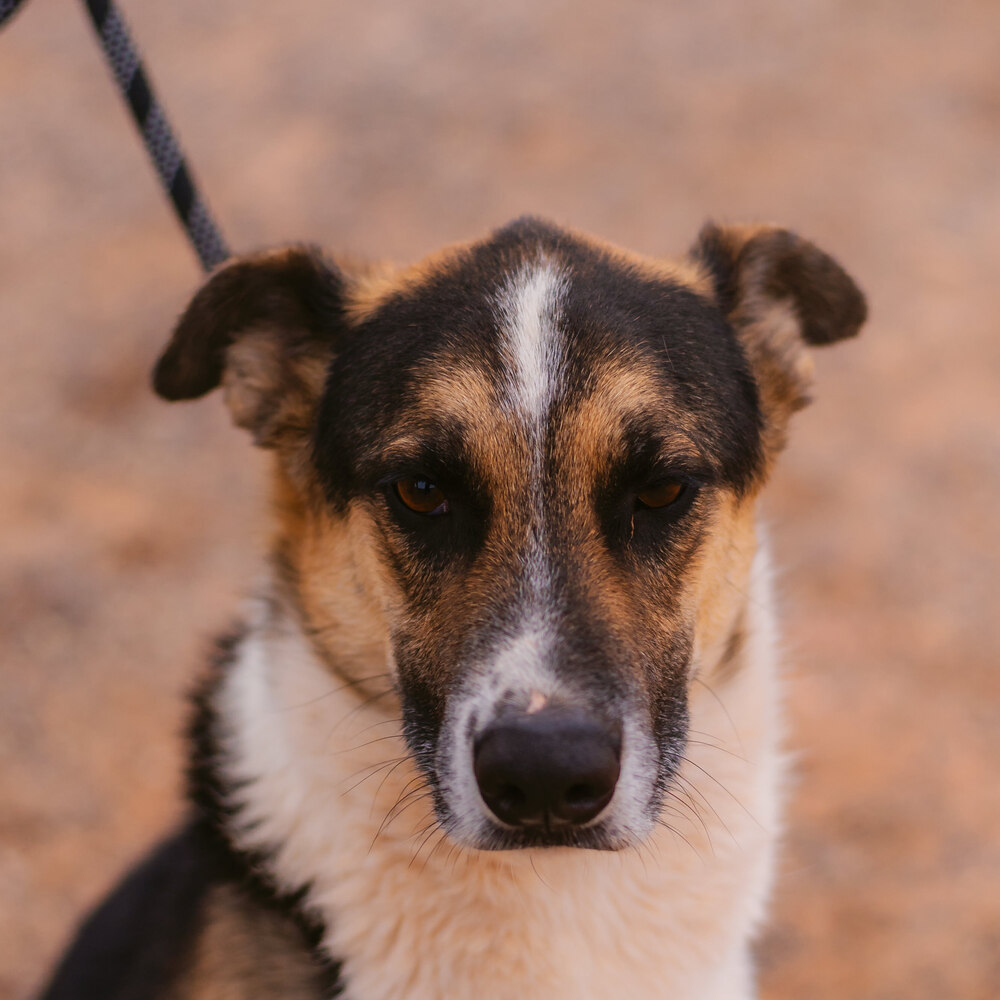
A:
{"x": 543, "y": 383}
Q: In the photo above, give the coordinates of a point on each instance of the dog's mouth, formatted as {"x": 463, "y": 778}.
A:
{"x": 589, "y": 838}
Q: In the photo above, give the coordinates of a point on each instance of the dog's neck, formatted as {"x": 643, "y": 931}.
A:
{"x": 326, "y": 790}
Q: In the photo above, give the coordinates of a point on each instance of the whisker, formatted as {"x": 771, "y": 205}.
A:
{"x": 441, "y": 840}
{"x": 721, "y": 705}
{"x": 381, "y": 784}
{"x": 361, "y": 746}
{"x": 425, "y": 835}
{"x": 372, "y": 769}
{"x": 358, "y": 708}
{"x": 404, "y": 800}
{"x": 677, "y": 833}
{"x": 642, "y": 860}
{"x": 381, "y": 722}
{"x": 419, "y": 797}
{"x": 333, "y": 691}
{"x": 538, "y": 874}
{"x": 690, "y": 788}
{"x": 716, "y": 746}
{"x": 723, "y": 787}
{"x": 692, "y": 807}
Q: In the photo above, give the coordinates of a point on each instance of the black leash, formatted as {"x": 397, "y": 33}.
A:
{"x": 161, "y": 144}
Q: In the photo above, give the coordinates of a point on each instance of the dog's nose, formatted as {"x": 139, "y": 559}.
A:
{"x": 555, "y": 767}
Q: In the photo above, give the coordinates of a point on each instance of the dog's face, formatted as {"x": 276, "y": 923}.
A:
{"x": 523, "y": 474}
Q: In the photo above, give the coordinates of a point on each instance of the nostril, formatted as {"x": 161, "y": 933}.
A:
{"x": 579, "y": 795}
{"x": 583, "y": 801}
{"x": 510, "y": 799}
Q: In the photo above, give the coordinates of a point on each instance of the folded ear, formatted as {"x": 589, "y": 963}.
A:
{"x": 264, "y": 328}
{"x": 782, "y": 295}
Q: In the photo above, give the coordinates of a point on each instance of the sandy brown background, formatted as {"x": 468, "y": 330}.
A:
{"x": 130, "y": 528}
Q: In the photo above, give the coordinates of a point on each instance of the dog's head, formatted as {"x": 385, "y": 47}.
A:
{"x": 522, "y": 475}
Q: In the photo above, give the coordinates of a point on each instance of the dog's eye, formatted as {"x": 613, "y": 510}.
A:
{"x": 421, "y": 496}
{"x": 662, "y": 495}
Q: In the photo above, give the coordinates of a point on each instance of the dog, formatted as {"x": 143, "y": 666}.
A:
{"x": 502, "y": 720}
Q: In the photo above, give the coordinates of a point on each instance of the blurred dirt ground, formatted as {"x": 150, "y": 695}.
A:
{"x": 130, "y": 528}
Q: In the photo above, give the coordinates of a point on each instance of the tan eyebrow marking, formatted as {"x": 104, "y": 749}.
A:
{"x": 625, "y": 390}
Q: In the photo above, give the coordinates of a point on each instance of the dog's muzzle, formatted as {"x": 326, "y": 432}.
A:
{"x": 554, "y": 768}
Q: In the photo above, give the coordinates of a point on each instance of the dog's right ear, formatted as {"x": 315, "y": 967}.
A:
{"x": 783, "y": 296}
{"x": 263, "y": 327}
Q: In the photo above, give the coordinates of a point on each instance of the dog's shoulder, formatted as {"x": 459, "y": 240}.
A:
{"x": 133, "y": 943}
{"x": 179, "y": 927}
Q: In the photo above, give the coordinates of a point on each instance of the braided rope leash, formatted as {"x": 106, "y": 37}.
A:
{"x": 158, "y": 136}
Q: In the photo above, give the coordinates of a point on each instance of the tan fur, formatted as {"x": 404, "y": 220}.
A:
{"x": 719, "y": 589}
{"x": 624, "y": 389}
{"x": 343, "y": 591}
{"x": 373, "y": 285}
{"x": 246, "y": 952}
{"x": 682, "y": 270}
{"x": 270, "y": 394}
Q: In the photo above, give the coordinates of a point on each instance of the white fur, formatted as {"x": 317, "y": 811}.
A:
{"x": 529, "y": 303}
{"x": 517, "y": 667}
{"x": 414, "y": 917}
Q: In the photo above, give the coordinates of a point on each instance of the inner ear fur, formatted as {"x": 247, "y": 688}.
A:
{"x": 263, "y": 327}
{"x": 782, "y": 295}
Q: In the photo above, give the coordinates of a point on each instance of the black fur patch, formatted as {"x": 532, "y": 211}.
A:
{"x": 137, "y": 943}
{"x": 785, "y": 267}
{"x": 830, "y": 306}
{"x": 134, "y": 945}
{"x": 610, "y": 307}
{"x": 297, "y": 294}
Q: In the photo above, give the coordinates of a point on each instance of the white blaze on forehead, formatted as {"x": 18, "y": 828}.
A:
{"x": 529, "y": 304}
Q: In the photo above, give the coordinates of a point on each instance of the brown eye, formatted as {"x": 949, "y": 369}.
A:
{"x": 421, "y": 496}
{"x": 661, "y": 496}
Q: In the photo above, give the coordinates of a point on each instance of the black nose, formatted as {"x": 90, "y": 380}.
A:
{"x": 556, "y": 767}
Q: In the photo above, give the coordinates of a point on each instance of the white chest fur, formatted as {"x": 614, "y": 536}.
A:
{"x": 414, "y": 918}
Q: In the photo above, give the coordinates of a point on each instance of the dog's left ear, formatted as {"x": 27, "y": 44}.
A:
{"x": 264, "y": 327}
{"x": 782, "y": 295}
